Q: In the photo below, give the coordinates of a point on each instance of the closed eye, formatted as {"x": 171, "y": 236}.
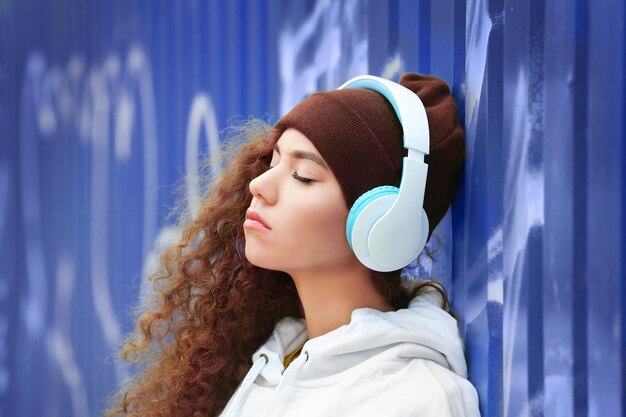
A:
{"x": 302, "y": 179}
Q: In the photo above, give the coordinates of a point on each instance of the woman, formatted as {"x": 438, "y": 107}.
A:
{"x": 265, "y": 308}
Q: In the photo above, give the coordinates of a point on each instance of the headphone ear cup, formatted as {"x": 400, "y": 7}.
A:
{"x": 365, "y": 211}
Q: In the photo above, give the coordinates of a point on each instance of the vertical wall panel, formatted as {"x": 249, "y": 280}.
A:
{"x": 580, "y": 217}
{"x": 622, "y": 245}
{"x": 603, "y": 103}
{"x": 559, "y": 209}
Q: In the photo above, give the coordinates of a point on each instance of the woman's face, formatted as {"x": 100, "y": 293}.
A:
{"x": 300, "y": 201}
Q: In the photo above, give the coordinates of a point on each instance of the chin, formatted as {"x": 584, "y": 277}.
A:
{"x": 259, "y": 259}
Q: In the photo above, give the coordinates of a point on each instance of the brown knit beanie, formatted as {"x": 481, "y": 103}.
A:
{"x": 358, "y": 134}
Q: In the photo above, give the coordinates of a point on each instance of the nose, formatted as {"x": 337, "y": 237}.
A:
{"x": 264, "y": 187}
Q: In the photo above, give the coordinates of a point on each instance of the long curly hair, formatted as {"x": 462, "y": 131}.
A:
{"x": 193, "y": 343}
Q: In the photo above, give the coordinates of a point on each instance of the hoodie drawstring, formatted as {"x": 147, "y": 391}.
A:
{"x": 247, "y": 382}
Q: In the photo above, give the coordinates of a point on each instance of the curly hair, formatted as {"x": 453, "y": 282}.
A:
{"x": 213, "y": 308}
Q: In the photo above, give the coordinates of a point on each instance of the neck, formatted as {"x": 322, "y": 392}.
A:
{"x": 329, "y": 297}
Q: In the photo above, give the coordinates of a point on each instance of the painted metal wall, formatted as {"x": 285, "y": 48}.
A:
{"x": 105, "y": 106}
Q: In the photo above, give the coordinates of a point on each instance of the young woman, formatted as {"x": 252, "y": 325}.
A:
{"x": 267, "y": 308}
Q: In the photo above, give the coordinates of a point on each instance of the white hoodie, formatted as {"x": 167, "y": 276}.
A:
{"x": 403, "y": 363}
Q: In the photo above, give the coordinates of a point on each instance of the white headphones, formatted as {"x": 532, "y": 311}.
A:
{"x": 387, "y": 227}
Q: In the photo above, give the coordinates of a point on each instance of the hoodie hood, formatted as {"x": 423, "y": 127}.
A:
{"x": 423, "y": 330}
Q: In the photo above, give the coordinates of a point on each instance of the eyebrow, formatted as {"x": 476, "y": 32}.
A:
{"x": 304, "y": 155}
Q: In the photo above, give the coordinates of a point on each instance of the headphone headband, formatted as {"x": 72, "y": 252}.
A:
{"x": 407, "y": 105}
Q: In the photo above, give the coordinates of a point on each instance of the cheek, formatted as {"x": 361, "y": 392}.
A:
{"x": 321, "y": 227}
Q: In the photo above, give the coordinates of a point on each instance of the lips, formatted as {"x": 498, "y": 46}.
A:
{"x": 254, "y": 219}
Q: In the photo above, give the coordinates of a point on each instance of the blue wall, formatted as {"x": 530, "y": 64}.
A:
{"x": 105, "y": 106}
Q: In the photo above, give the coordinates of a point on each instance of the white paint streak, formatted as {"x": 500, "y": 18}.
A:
{"x": 523, "y": 209}
{"x": 338, "y": 40}
{"x": 394, "y": 68}
{"x": 124, "y": 118}
{"x": 99, "y": 201}
{"x": 558, "y": 388}
{"x": 478, "y": 29}
{"x": 495, "y": 284}
{"x": 202, "y": 114}
{"x": 59, "y": 338}
{"x": 140, "y": 72}
{"x": 33, "y": 307}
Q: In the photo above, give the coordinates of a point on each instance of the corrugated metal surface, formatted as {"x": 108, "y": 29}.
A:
{"x": 105, "y": 105}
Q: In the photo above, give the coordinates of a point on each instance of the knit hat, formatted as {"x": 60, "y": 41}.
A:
{"x": 358, "y": 134}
